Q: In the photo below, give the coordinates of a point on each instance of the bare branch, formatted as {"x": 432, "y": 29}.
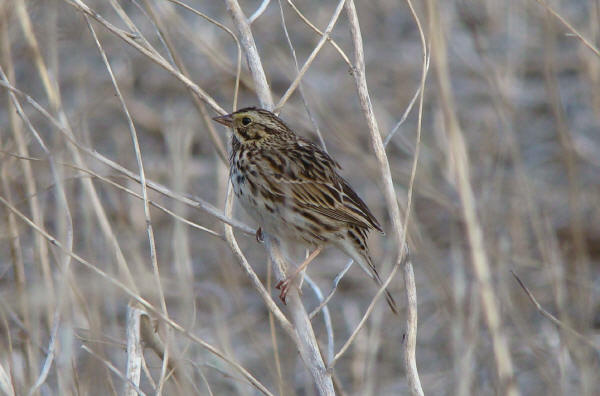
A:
{"x": 326, "y": 316}
{"x": 135, "y": 350}
{"x": 134, "y": 387}
{"x": 194, "y": 202}
{"x": 316, "y": 30}
{"x": 150, "y": 54}
{"x": 553, "y": 318}
{"x": 336, "y": 282}
{"x": 254, "y": 63}
{"x": 137, "y": 298}
{"x": 307, "y": 345}
{"x": 66, "y": 260}
{"x": 311, "y": 57}
{"x": 259, "y": 11}
{"x": 400, "y": 230}
{"x": 287, "y": 326}
{"x": 300, "y": 87}
{"x": 412, "y": 102}
{"x": 142, "y": 173}
{"x": 562, "y": 20}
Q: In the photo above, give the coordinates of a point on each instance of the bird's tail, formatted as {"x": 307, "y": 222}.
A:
{"x": 372, "y": 271}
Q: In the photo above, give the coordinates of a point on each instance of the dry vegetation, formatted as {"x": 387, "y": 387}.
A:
{"x": 111, "y": 288}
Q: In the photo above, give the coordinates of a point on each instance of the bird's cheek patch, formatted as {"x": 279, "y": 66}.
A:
{"x": 244, "y": 134}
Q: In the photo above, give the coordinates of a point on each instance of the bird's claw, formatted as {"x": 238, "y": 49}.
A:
{"x": 284, "y": 286}
{"x": 260, "y": 238}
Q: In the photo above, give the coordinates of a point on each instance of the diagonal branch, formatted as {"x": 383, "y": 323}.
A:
{"x": 311, "y": 57}
{"x": 127, "y": 37}
{"x": 553, "y": 318}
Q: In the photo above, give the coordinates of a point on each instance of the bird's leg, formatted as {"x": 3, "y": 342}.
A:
{"x": 284, "y": 285}
{"x": 260, "y": 238}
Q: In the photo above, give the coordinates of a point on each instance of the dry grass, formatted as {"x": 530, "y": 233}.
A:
{"x": 115, "y": 286}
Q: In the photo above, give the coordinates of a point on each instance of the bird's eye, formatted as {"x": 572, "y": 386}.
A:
{"x": 246, "y": 121}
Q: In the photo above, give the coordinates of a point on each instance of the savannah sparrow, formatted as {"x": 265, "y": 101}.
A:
{"x": 292, "y": 189}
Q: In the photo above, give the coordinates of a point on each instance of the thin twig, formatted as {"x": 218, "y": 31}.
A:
{"x": 316, "y": 30}
{"x": 300, "y": 87}
{"x": 412, "y": 102}
{"x": 410, "y": 346}
{"x": 7, "y": 379}
{"x": 400, "y": 229}
{"x": 335, "y": 284}
{"x": 307, "y": 345}
{"x": 151, "y": 202}
{"x": 134, "y": 387}
{"x": 249, "y": 46}
{"x": 553, "y": 318}
{"x": 132, "y": 26}
{"x": 142, "y": 174}
{"x": 221, "y": 151}
{"x": 272, "y": 329}
{"x": 562, "y": 20}
{"x": 62, "y": 200}
{"x": 40, "y": 244}
{"x": 117, "y": 283}
{"x": 54, "y": 98}
{"x": 229, "y": 237}
{"x": 311, "y": 57}
{"x": 326, "y": 317}
{"x": 192, "y": 201}
{"x": 376, "y": 142}
{"x": 150, "y": 54}
{"x": 259, "y": 11}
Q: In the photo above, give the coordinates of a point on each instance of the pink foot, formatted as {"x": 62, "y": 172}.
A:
{"x": 284, "y": 286}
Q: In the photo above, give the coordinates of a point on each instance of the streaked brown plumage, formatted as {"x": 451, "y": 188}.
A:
{"x": 292, "y": 188}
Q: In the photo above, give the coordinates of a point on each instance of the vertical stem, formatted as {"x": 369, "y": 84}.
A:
{"x": 134, "y": 350}
{"x": 263, "y": 91}
{"x": 412, "y": 373}
{"x": 479, "y": 257}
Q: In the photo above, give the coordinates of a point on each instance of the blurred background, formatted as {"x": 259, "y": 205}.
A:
{"x": 526, "y": 92}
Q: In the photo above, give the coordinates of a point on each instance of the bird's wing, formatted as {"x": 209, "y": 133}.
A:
{"x": 308, "y": 176}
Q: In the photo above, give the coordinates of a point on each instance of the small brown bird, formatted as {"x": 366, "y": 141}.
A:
{"x": 291, "y": 187}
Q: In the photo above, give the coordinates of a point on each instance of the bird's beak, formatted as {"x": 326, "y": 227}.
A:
{"x": 226, "y": 120}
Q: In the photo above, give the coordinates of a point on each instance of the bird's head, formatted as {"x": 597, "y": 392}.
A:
{"x": 252, "y": 125}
